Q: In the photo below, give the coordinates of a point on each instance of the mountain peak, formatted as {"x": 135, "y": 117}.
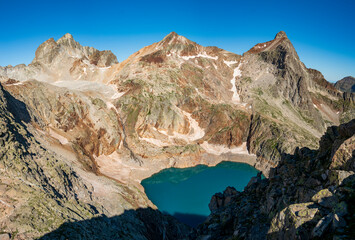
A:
{"x": 281, "y": 34}
{"x": 174, "y": 34}
{"x": 68, "y": 36}
{"x": 68, "y": 40}
{"x": 174, "y": 38}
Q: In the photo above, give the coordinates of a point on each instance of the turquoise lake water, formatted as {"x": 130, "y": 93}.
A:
{"x": 186, "y": 192}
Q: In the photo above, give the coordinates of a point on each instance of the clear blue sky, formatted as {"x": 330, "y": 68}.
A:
{"x": 323, "y": 32}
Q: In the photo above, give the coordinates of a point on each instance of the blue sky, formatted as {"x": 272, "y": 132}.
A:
{"x": 323, "y": 32}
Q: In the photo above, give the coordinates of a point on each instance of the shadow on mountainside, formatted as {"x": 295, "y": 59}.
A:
{"x": 143, "y": 223}
{"x": 17, "y": 108}
{"x": 192, "y": 220}
{"x": 20, "y": 116}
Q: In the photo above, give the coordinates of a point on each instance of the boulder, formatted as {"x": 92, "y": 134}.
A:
{"x": 322, "y": 225}
{"x": 5, "y": 236}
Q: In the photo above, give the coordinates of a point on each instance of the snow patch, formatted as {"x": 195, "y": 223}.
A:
{"x": 230, "y": 63}
{"x": 204, "y": 55}
{"x": 110, "y": 105}
{"x": 19, "y": 83}
{"x": 236, "y": 73}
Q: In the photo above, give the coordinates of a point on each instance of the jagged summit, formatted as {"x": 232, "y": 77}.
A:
{"x": 67, "y": 47}
{"x": 64, "y": 59}
{"x": 175, "y": 41}
{"x": 68, "y": 40}
{"x": 281, "y": 34}
{"x": 67, "y": 36}
{"x": 280, "y": 39}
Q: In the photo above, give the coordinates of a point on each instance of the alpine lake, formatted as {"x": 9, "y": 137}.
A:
{"x": 186, "y": 192}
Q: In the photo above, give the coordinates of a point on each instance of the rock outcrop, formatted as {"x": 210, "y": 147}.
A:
{"x": 309, "y": 195}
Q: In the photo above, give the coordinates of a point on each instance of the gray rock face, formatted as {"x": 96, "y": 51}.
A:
{"x": 346, "y": 84}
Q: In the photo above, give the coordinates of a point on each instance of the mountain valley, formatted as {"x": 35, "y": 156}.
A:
{"x": 80, "y": 131}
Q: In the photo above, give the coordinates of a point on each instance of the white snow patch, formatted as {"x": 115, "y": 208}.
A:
{"x": 236, "y": 73}
{"x": 204, "y": 55}
{"x": 315, "y": 106}
{"x": 110, "y": 105}
{"x": 221, "y": 149}
{"x": 19, "y": 83}
{"x": 230, "y": 63}
{"x": 198, "y": 92}
{"x": 104, "y": 68}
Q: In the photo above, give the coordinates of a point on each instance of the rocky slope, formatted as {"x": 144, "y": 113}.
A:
{"x": 173, "y": 103}
{"x": 309, "y": 195}
{"x": 41, "y": 189}
{"x": 346, "y": 84}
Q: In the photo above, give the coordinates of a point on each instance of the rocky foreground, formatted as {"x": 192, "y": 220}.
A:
{"x": 309, "y": 195}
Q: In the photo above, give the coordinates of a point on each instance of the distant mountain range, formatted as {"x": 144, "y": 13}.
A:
{"x": 80, "y": 130}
